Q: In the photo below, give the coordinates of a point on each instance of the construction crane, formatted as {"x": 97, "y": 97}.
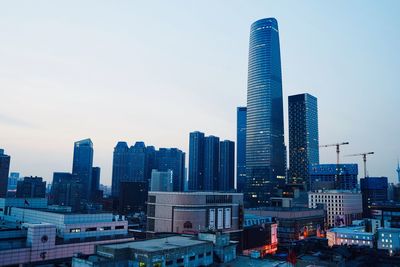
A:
{"x": 337, "y": 149}
{"x": 364, "y": 155}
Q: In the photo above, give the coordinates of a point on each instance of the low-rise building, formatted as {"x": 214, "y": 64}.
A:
{"x": 389, "y": 239}
{"x": 293, "y": 223}
{"x": 355, "y": 235}
{"x": 192, "y": 212}
{"x": 171, "y": 251}
{"x": 342, "y": 206}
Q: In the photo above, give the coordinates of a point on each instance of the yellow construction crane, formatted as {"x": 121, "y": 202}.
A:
{"x": 364, "y": 155}
{"x": 337, "y": 145}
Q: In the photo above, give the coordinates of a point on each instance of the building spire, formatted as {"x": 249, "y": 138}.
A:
{"x": 398, "y": 171}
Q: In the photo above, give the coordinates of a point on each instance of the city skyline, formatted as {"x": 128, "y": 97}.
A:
{"x": 57, "y": 90}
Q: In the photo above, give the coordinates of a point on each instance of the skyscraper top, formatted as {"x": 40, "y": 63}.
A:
{"x": 1, "y": 151}
{"x": 267, "y": 22}
{"x": 84, "y": 142}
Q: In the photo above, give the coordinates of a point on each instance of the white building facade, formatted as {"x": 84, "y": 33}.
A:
{"x": 341, "y": 206}
{"x": 350, "y": 236}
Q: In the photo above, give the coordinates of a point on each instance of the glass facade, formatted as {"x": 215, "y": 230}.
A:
{"x": 119, "y": 170}
{"x": 4, "y": 169}
{"x": 226, "y": 181}
{"x": 196, "y": 161}
{"x": 265, "y": 148}
{"x": 211, "y": 162}
{"x": 303, "y": 137}
{"x": 323, "y": 176}
{"x": 82, "y": 165}
{"x": 241, "y": 149}
{"x": 172, "y": 159}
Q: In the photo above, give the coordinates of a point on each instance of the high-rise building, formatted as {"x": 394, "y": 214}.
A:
{"x": 132, "y": 197}
{"x": 241, "y": 149}
{"x": 171, "y": 159}
{"x": 303, "y": 137}
{"x": 265, "y": 148}
{"x": 323, "y": 176}
{"x": 82, "y": 165}
{"x": 211, "y": 163}
{"x": 66, "y": 190}
{"x": 31, "y": 187}
{"x": 226, "y": 181}
{"x": 196, "y": 161}
{"x": 373, "y": 189}
{"x": 12, "y": 181}
{"x": 161, "y": 181}
{"x": 137, "y": 162}
{"x": 95, "y": 178}
{"x": 4, "y": 169}
{"x": 120, "y": 166}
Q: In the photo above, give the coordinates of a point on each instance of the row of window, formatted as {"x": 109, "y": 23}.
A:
{"x": 93, "y": 229}
{"x": 191, "y": 258}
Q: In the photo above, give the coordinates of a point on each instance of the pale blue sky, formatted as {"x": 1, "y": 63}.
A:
{"x": 156, "y": 70}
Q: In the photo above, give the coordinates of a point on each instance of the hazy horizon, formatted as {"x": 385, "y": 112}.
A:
{"x": 155, "y": 71}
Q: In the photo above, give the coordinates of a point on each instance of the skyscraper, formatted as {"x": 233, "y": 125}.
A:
{"x": 211, "y": 162}
{"x": 119, "y": 169}
{"x": 226, "y": 181}
{"x": 373, "y": 190}
{"x": 398, "y": 172}
{"x": 31, "y": 187}
{"x": 171, "y": 159}
{"x": 4, "y": 169}
{"x": 66, "y": 190}
{"x": 196, "y": 161}
{"x": 95, "y": 183}
{"x": 137, "y": 162}
{"x": 303, "y": 137}
{"x": 82, "y": 165}
{"x": 241, "y": 149}
{"x": 265, "y": 148}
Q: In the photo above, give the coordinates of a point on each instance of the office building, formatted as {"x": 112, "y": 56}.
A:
{"x": 293, "y": 223}
{"x": 373, "y": 189}
{"x": 388, "y": 213}
{"x": 137, "y": 163}
{"x": 389, "y": 239}
{"x": 31, "y": 187}
{"x": 132, "y": 197}
{"x": 4, "y": 169}
{"x": 95, "y": 179}
{"x": 66, "y": 190}
{"x": 171, "y": 159}
{"x": 34, "y": 233}
{"x": 82, "y": 166}
{"x": 333, "y": 176}
{"x": 196, "y": 161}
{"x": 211, "y": 163}
{"x": 341, "y": 206}
{"x": 120, "y": 165}
{"x": 191, "y": 212}
{"x": 241, "y": 149}
{"x": 12, "y": 181}
{"x": 265, "y": 148}
{"x": 303, "y": 137}
{"x": 226, "y": 179}
{"x": 351, "y": 236}
{"x": 162, "y": 181}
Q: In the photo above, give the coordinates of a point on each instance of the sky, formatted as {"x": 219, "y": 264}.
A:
{"x": 154, "y": 71}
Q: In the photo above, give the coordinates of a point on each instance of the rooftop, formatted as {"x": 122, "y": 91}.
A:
{"x": 195, "y": 193}
{"x": 351, "y": 229}
{"x": 153, "y": 245}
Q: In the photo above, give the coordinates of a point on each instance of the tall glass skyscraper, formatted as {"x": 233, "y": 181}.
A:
{"x": 265, "y": 148}
{"x": 303, "y": 137}
{"x": 226, "y": 181}
{"x": 211, "y": 162}
{"x": 4, "y": 169}
{"x": 82, "y": 165}
{"x": 241, "y": 149}
{"x": 120, "y": 167}
{"x": 196, "y": 161}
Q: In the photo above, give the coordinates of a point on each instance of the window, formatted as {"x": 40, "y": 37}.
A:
{"x": 118, "y": 227}
{"x": 179, "y": 260}
{"x": 104, "y": 228}
{"x": 201, "y": 255}
{"x": 91, "y": 229}
{"x": 192, "y": 258}
{"x": 74, "y": 230}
